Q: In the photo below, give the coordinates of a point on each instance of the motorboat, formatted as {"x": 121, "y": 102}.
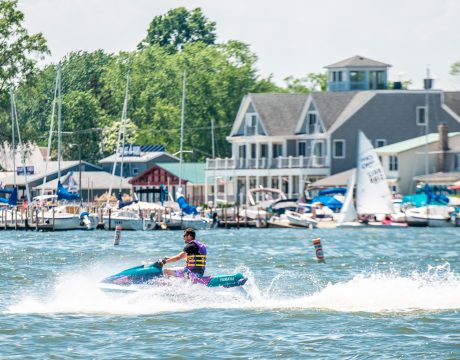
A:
{"x": 127, "y": 219}
{"x": 298, "y": 219}
{"x": 430, "y": 215}
{"x": 68, "y": 217}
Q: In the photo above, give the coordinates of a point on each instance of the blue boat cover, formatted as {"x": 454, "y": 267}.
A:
{"x": 332, "y": 191}
{"x": 64, "y": 194}
{"x": 12, "y": 200}
{"x": 185, "y": 207}
{"x": 429, "y": 195}
{"x": 330, "y": 201}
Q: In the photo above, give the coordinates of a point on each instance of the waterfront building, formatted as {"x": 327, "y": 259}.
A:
{"x": 286, "y": 141}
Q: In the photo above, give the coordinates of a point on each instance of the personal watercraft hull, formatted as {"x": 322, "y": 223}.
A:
{"x": 147, "y": 274}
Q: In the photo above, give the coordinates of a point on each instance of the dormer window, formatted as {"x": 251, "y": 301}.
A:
{"x": 251, "y": 124}
{"x": 312, "y": 123}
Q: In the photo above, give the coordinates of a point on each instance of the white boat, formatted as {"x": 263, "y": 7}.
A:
{"x": 297, "y": 219}
{"x": 373, "y": 195}
{"x": 128, "y": 220}
{"x": 176, "y": 219}
{"x": 260, "y": 199}
{"x": 430, "y": 215}
{"x": 68, "y": 217}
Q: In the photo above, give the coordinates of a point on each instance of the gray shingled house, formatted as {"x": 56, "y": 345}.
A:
{"x": 287, "y": 140}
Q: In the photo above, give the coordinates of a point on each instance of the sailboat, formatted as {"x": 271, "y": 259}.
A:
{"x": 373, "y": 196}
{"x": 68, "y": 215}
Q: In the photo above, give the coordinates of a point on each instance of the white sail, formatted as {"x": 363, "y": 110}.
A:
{"x": 372, "y": 193}
{"x": 348, "y": 211}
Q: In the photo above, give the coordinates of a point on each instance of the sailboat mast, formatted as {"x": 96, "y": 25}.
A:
{"x": 117, "y": 147}
{"x": 59, "y": 121}
{"x": 182, "y": 129}
{"x": 50, "y": 136}
{"x": 123, "y": 130}
{"x": 427, "y": 86}
{"x": 13, "y": 144}
{"x": 21, "y": 146}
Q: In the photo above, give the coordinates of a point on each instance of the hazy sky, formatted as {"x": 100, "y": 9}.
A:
{"x": 290, "y": 37}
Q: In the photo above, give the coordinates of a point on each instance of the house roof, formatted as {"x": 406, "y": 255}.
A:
{"x": 331, "y": 104}
{"x": 191, "y": 172}
{"x": 452, "y": 100}
{"x": 336, "y": 180}
{"x": 144, "y": 157}
{"x": 40, "y": 172}
{"x": 439, "y": 177}
{"x": 357, "y": 61}
{"x": 33, "y": 157}
{"x": 411, "y": 143}
{"x": 90, "y": 180}
{"x": 279, "y": 113}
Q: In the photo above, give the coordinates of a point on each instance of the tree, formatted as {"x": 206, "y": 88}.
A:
{"x": 309, "y": 83}
{"x": 80, "y": 117}
{"x": 18, "y": 49}
{"x": 179, "y": 27}
{"x": 455, "y": 68}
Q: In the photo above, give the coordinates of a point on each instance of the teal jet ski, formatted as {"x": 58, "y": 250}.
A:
{"x": 149, "y": 274}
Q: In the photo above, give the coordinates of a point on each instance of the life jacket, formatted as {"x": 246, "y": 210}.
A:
{"x": 197, "y": 263}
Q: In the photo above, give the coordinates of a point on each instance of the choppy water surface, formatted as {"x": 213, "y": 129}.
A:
{"x": 382, "y": 293}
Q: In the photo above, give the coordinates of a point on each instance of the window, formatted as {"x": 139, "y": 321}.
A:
{"x": 393, "y": 166}
{"x": 376, "y": 80}
{"x": 263, "y": 150}
{"x": 338, "y": 149}
{"x": 357, "y": 76}
{"x": 302, "y": 148}
{"x": 337, "y": 76}
{"x": 312, "y": 121}
{"x": 380, "y": 142}
{"x": 253, "y": 151}
{"x": 421, "y": 115}
{"x": 317, "y": 148}
{"x": 251, "y": 120}
{"x": 277, "y": 150}
{"x": 242, "y": 151}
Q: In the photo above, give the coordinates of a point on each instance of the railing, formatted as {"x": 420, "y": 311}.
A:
{"x": 287, "y": 162}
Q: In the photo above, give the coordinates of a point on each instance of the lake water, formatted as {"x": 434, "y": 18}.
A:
{"x": 382, "y": 294}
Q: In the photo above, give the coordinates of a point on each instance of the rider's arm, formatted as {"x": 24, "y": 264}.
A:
{"x": 177, "y": 257}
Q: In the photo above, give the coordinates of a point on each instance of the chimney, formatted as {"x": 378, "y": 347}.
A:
{"x": 443, "y": 146}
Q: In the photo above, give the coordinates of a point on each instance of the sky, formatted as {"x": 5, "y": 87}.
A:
{"x": 289, "y": 37}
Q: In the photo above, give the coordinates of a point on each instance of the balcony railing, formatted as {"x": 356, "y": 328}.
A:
{"x": 282, "y": 162}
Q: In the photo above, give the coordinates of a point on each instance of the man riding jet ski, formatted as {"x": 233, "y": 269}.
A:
{"x": 195, "y": 253}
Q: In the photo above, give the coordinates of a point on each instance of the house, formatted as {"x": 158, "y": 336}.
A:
{"x": 286, "y": 141}
{"x": 190, "y": 176}
{"x": 89, "y": 184}
{"x": 136, "y": 159}
{"x": 39, "y": 173}
{"x": 357, "y": 73}
{"x": 431, "y": 158}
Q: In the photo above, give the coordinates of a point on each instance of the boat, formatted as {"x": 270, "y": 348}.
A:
{"x": 68, "y": 217}
{"x": 298, "y": 219}
{"x": 188, "y": 216}
{"x": 430, "y": 215}
{"x": 429, "y": 207}
{"x": 150, "y": 274}
{"x": 373, "y": 197}
{"x": 263, "y": 201}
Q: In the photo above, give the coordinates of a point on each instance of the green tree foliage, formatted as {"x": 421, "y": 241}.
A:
{"x": 179, "y": 27}
{"x": 455, "y": 68}
{"x": 110, "y": 135}
{"x": 309, "y": 83}
{"x": 18, "y": 49}
{"x": 80, "y": 117}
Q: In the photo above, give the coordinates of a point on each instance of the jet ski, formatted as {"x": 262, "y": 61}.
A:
{"x": 150, "y": 274}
